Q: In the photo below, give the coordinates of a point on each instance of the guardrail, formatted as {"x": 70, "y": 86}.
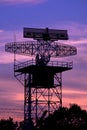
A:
{"x": 51, "y": 63}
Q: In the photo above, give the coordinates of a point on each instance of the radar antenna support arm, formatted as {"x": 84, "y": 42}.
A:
{"x": 42, "y": 60}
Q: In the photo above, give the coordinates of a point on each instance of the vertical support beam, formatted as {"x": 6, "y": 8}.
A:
{"x": 61, "y": 90}
{"x": 58, "y": 87}
{"x": 49, "y": 101}
{"x": 28, "y": 124}
{"x": 36, "y": 116}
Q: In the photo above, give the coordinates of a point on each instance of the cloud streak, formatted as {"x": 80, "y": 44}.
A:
{"x": 21, "y": 1}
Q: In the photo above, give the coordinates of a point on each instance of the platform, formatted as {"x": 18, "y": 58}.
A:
{"x": 43, "y": 76}
{"x": 54, "y": 66}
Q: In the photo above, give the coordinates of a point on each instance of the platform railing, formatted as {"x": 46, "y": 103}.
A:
{"x": 51, "y": 63}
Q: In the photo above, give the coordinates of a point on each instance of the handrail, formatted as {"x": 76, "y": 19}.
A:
{"x": 51, "y": 63}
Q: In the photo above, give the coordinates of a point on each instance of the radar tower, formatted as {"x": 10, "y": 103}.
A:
{"x": 41, "y": 77}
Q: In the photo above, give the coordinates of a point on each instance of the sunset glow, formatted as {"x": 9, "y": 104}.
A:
{"x": 58, "y": 14}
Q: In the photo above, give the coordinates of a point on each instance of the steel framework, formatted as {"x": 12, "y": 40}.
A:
{"x": 41, "y": 77}
{"x": 40, "y": 100}
{"x": 32, "y": 48}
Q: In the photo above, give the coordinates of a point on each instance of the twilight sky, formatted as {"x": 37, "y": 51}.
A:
{"x": 57, "y": 14}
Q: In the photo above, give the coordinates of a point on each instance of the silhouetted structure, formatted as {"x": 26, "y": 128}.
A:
{"x": 42, "y": 78}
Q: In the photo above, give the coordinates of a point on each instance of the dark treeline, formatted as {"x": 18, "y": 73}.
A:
{"x": 73, "y": 118}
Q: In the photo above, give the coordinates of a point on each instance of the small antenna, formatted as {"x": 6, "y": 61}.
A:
{"x": 14, "y": 37}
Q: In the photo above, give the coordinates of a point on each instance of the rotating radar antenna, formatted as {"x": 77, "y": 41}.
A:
{"x": 44, "y": 46}
{"x": 41, "y": 77}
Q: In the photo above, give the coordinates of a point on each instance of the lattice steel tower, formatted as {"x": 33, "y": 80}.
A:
{"x": 41, "y": 77}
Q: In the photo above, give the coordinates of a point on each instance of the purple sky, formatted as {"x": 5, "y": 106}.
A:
{"x": 57, "y": 14}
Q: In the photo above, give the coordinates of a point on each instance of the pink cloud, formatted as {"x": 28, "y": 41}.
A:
{"x": 73, "y": 96}
{"x": 1, "y": 31}
{"x": 7, "y": 57}
{"x": 10, "y": 36}
{"x": 21, "y": 1}
{"x": 75, "y": 30}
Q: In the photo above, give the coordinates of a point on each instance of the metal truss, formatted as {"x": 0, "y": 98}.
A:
{"x": 32, "y": 48}
{"x": 38, "y": 101}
